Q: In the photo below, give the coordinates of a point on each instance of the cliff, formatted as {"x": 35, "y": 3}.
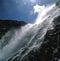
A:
{"x": 50, "y": 48}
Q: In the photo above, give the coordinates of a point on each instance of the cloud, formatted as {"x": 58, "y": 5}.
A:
{"x": 33, "y": 1}
{"x": 30, "y": 2}
{"x": 38, "y": 8}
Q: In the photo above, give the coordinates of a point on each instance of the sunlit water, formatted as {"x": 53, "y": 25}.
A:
{"x": 21, "y": 41}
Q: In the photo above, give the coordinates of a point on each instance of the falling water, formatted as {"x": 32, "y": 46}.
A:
{"x": 19, "y": 42}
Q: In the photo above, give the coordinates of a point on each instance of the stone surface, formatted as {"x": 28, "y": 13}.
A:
{"x": 50, "y": 48}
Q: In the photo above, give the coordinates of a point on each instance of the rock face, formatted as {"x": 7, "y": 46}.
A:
{"x": 50, "y": 48}
{"x": 5, "y": 25}
{"x": 58, "y": 3}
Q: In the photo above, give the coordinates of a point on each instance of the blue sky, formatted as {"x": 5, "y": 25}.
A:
{"x": 21, "y": 10}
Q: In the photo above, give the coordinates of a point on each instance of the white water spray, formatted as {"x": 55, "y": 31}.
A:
{"x": 44, "y": 14}
{"x": 28, "y": 37}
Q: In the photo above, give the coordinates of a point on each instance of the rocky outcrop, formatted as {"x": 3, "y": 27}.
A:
{"x": 5, "y": 25}
{"x": 58, "y": 3}
{"x": 50, "y": 48}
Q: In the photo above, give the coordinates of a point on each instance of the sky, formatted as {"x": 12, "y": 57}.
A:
{"x": 22, "y": 10}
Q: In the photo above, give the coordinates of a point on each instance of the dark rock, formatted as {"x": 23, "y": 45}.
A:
{"x": 50, "y": 48}
{"x": 58, "y": 3}
{"x": 5, "y": 25}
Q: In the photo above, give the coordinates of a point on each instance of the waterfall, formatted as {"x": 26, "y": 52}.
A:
{"x": 19, "y": 42}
